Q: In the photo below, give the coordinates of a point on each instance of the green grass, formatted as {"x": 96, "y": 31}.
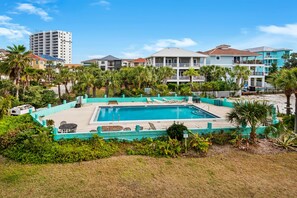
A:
{"x": 232, "y": 174}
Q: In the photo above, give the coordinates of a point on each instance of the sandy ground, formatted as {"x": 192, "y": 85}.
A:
{"x": 278, "y": 99}
{"x": 82, "y": 117}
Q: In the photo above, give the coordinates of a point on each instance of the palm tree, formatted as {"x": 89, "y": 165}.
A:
{"x": 58, "y": 80}
{"x": 164, "y": 73}
{"x": 285, "y": 81}
{"x": 18, "y": 59}
{"x": 253, "y": 113}
{"x": 241, "y": 74}
{"x": 294, "y": 74}
{"x": 191, "y": 72}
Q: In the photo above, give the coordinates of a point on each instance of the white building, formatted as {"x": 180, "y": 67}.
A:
{"x": 180, "y": 60}
{"x": 224, "y": 55}
{"x": 57, "y": 44}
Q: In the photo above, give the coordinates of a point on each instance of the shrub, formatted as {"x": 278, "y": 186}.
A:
{"x": 289, "y": 121}
{"x": 176, "y": 131}
{"x": 199, "y": 144}
{"x": 287, "y": 141}
{"x": 150, "y": 147}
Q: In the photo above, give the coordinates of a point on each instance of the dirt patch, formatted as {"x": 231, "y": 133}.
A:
{"x": 265, "y": 146}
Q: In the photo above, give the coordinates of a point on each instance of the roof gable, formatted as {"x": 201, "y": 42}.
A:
{"x": 226, "y": 50}
{"x": 177, "y": 52}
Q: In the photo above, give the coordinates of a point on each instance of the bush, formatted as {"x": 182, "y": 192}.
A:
{"x": 157, "y": 148}
{"x": 289, "y": 121}
{"x": 176, "y": 131}
{"x": 222, "y": 138}
{"x": 199, "y": 144}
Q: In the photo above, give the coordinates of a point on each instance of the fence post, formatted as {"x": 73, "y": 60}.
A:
{"x": 105, "y": 96}
{"x": 140, "y": 95}
{"x": 209, "y": 126}
{"x": 137, "y": 128}
{"x": 123, "y": 95}
{"x": 44, "y": 123}
{"x": 99, "y": 129}
{"x": 86, "y": 96}
{"x": 64, "y": 101}
{"x": 158, "y": 95}
{"x": 49, "y": 106}
{"x": 30, "y": 111}
{"x": 175, "y": 95}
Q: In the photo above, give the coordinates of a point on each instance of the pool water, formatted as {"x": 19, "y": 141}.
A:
{"x": 164, "y": 112}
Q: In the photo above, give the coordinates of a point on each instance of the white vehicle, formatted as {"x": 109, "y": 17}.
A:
{"x": 20, "y": 110}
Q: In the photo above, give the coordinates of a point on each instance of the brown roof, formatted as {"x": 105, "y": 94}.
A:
{"x": 33, "y": 56}
{"x": 139, "y": 60}
{"x": 226, "y": 50}
{"x": 72, "y": 65}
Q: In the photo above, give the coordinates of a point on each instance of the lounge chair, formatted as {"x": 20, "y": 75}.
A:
{"x": 149, "y": 100}
{"x": 63, "y": 122}
{"x": 152, "y": 126}
{"x": 158, "y": 101}
{"x": 169, "y": 101}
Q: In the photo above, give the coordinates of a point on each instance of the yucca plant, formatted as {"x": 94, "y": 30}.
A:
{"x": 287, "y": 141}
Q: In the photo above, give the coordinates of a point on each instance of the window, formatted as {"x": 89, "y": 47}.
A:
{"x": 218, "y": 57}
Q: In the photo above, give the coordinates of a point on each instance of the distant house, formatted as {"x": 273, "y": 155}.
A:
{"x": 127, "y": 62}
{"x": 3, "y": 54}
{"x": 72, "y": 65}
{"x": 52, "y": 61}
{"x": 180, "y": 60}
{"x": 138, "y": 62}
{"x": 269, "y": 55}
{"x": 106, "y": 63}
{"x": 37, "y": 62}
{"x": 225, "y": 56}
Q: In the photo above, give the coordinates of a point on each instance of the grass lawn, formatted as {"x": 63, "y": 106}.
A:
{"x": 231, "y": 174}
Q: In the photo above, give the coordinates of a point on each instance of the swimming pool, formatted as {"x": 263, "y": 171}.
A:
{"x": 153, "y": 112}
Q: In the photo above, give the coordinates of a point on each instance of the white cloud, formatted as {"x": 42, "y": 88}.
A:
{"x": 132, "y": 55}
{"x": 163, "y": 43}
{"x": 12, "y": 31}
{"x": 31, "y": 9}
{"x": 288, "y": 29}
{"x": 96, "y": 56}
{"x": 103, "y": 3}
{"x": 41, "y": 1}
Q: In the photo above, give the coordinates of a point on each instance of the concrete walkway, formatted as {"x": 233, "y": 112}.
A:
{"x": 82, "y": 117}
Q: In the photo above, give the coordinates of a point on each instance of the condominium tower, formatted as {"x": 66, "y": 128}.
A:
{"x": 53, "y": 43}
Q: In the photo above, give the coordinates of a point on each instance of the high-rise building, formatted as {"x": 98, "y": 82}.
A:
{"x": 53, "y": 43}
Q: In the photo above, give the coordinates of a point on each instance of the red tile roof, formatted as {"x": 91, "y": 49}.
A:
{"x": 33, "y": 56}
{"x": 226, "y": 50}
{"x": 139, "y": 60}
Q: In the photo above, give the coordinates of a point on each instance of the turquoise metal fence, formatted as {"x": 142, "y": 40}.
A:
{"x": 139, "y": 134}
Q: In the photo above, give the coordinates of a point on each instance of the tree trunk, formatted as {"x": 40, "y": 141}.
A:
{"x": 106, "y": 89}
{"x": 295, "y": 124}
{"x": 66, "y": 88}
{"x": 18, "y": 85}
{"x": 94, "y": 92}
{"x": 253, "y": 134}
{"x": 288, "y": 110}
{"x": 59, "y": 91}
{"x": 88, "y": 90}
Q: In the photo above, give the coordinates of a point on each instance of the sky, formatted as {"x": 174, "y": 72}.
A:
{"x": 138, "y": 28}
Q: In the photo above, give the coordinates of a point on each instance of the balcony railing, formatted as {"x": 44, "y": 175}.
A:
{"x": 252, "y": 62}
{"x": 258, "y": 73}
{"x": 270, "y": 57}
{"x": 175, "y": 64}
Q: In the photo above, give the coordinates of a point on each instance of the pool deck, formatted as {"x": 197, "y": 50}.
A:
{"x": 82, "y": 117}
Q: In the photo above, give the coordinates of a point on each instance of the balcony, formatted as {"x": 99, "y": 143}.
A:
{"x": 257, "y": 73}
{"x": 248, "y": 62}
{"x": 270, "y": 57}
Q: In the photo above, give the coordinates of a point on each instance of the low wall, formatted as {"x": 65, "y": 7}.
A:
{"x": 132, "y": 135}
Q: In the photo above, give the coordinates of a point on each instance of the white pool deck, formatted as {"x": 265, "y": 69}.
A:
{"x": 82, "y": 117}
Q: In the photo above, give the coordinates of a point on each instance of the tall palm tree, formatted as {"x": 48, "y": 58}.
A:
{"x": 241, "y": 74}
{"x": 253, "y": 113}
{"x": 18, "y": 59}
{"x": 284, "y": 80}
{"x": 164, "y": 73}
{"x": 294, "y": 74}
{"x": 191, "y": 72}
{"x": 58, "y": 80}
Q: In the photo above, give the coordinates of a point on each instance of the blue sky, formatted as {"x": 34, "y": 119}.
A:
{"x": 138, "y": 28}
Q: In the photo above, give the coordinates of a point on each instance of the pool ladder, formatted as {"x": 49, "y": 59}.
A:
{"x": 118, "y": 117}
